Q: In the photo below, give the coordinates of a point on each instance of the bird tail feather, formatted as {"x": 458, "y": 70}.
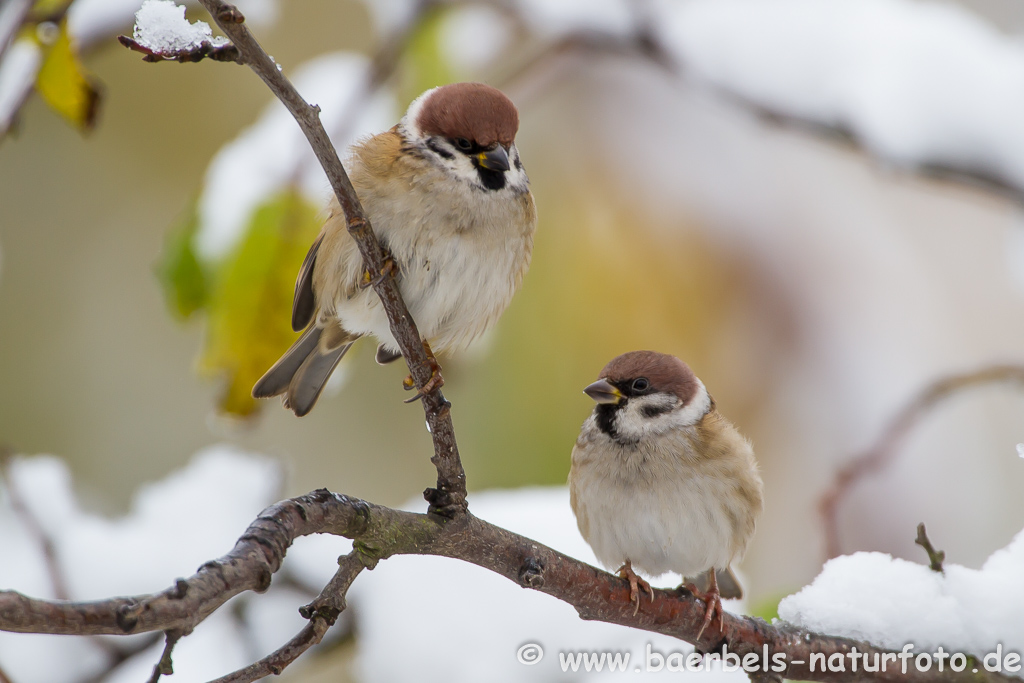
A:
{"x": 301, "y": 373}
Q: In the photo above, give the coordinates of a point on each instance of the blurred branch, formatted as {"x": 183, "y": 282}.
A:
{"x": 36, "y": 530}
{"x": 119, "y": 655}
{"x": 935, "y": 557}
{"x": 379, "y": 533}
{"x": 885, "y": 449}
{"x": 321, "y": 613}
{"x": 3, "y": 677}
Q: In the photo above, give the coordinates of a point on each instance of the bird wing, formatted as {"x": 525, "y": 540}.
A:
{"x": 304, "y": 303}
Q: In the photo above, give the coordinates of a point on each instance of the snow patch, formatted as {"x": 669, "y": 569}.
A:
{"x": 891, "y": 602}
{"x": 161, "y": 26}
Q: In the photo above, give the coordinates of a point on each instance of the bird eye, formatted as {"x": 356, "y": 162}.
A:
{"x": 463, "y": 143}
{"x": 641, "y": 384}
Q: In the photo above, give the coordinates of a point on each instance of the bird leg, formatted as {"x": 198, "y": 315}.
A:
{"x": 387, "y": 269}
{"x": 713, "y": 599}
{"x": 436, "y": 381}
{"x": 635, "y": 584}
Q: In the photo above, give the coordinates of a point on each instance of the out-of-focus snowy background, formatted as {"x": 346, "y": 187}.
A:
{"x": 817, "y": 205}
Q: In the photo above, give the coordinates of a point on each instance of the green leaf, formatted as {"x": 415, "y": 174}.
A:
{"x": 62, "y": 83}
{"x": 250, "y": 298}
{"x": 183, "y": 278}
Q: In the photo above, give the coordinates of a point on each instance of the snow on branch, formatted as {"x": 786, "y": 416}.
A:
{"x": 162, "y": 32}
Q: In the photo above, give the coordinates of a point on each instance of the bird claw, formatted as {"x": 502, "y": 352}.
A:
{"x": 635, "y": 585}
{"x": 435, "y": 382}
{"x": 713, "y": 602}
{"x": 387, "y": 269}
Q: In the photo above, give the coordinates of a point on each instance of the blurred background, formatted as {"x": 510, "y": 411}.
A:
{"x": 820, "y": 212}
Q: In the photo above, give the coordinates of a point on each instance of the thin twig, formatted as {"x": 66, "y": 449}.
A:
{"x": 935, "y": 557}
{"x": 205, "y": 50}
{"x": 885, "y": 449}
{"x": 4, "y": 678}
{"x": 322, "y": 613}
{"x": 165, "y": 667}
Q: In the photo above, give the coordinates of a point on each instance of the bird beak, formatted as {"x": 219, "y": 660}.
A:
{"x": 494, "y": 160}
{"x": 603, "y": 392}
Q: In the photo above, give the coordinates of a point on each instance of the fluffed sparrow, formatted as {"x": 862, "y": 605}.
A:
{"x": 449, "y": 200}
{"x": 660, "y": 480}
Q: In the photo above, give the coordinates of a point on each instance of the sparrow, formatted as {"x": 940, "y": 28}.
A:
{"x": 449, "y": 200}
{"x": 661, "y": 481}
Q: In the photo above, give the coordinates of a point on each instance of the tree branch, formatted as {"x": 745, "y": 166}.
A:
{"x": 449, "y": 498}
{"x": 885, "y": 449}
{"x": 380, "y": 532}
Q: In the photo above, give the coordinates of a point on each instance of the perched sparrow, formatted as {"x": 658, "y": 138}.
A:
{"x": 660, "y": 480}
{"x": 449, "y": 200}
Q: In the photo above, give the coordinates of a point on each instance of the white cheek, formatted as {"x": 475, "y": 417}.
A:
{"x": 516, "y": 176}
{"x": 698, "y": 406}
{"x": 633, "y": 424}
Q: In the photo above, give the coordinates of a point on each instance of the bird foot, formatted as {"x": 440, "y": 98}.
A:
{"x": 435, "y": 382}
{"x": 635, "y": 585}
{"x": 713, "y": 600}
{"x": 387, "y": 269}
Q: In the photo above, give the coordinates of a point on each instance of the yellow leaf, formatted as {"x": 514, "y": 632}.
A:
{"x": 250, "y": 298}
{"x": 64, "y": 85}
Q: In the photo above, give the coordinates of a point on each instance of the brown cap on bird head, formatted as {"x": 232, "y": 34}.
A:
{"x": 474, "y": 111}
{"x": 665, "y": 373}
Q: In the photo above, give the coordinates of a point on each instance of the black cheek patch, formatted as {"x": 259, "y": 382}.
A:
{"x": 656, "y": 410}
{"x": 492, "y": 180}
